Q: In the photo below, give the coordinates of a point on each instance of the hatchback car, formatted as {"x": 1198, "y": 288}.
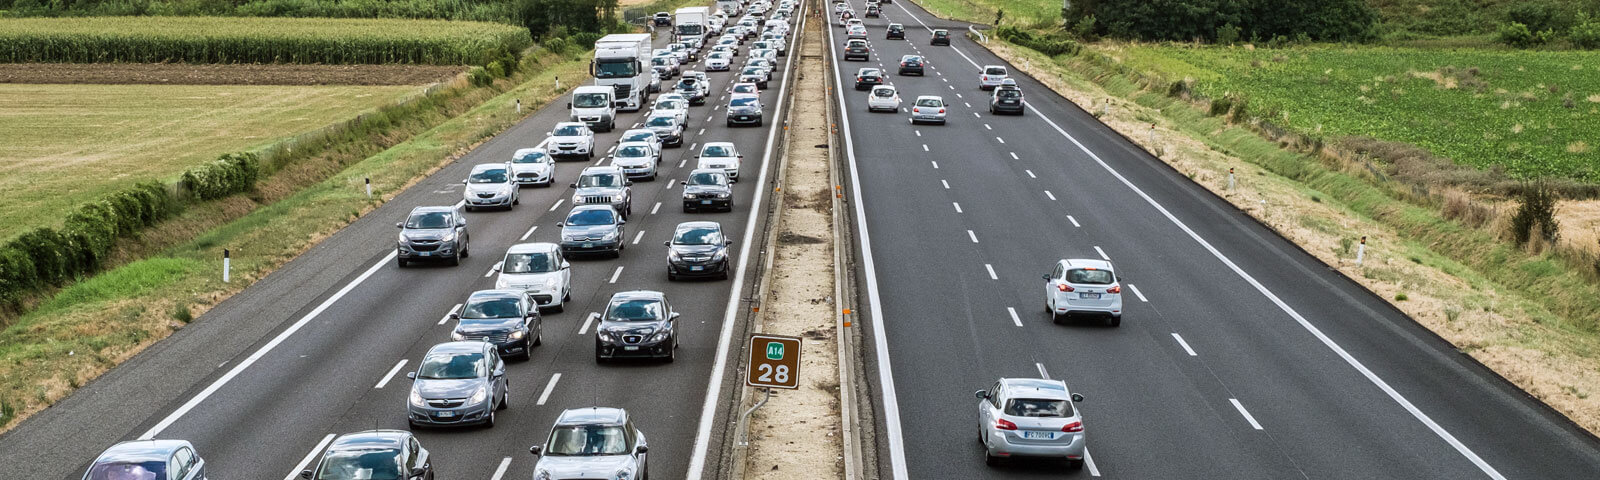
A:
{"x": 594, "y": 442}
{"x": 744, "y": 88}
{"x": 692, "y": 89}
{"x": 857, "y": 50}
{"x": 430, "y": 233}
{"x": 1030, "y": 417}
{"x": 643, "y": 135}
{"x": 674, "y": 104}
{"x": 719, "y": 61}
{"x": 533, "y": 167}
{"x": 856, "y": 31}
{"x": 636, "y": 159}
{"x": 707, "y": 189}
{"x": 940, "y": 37}
{"x": 639, "y": 323}
{"x": 1007, "y": 98}
{"x": 506, "y": 318}
{"x": 720, "y": 156}
{"x": 873, "y": 11}
{"x": 1083, "y": 287}
{"x": 490, "y": 185}
{"x": 884, "y": 98}
{"x": 148, "y": 460}
{"x": 912, "y": 64}
{"x": 373, "y": 454}
{"x": 744, "y": 109}
{"x": 698, "y": 249}
{"x": 667, "y": 127}
{"x": 928, "y": 108}
{"x": 896, "y": 32}
{"x": 456, "y": 384}
{"x": 991, "y": 76}
{"x": 539, "y": 271}
{"x": 607, "y": 185}
{"x": 570, "y": 139}
{"x": 866, "y": 78}
{"x": 593, "y": 229}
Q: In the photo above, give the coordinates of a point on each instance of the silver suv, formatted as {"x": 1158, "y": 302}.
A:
{"x": 592, "y": 442}
{"x": 432, "y": 233}
{"x": 1030, "y": 417}
{"x": 607, "y": 185}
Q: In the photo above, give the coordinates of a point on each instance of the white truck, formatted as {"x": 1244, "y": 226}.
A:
{"x": 689, "y": 24}
{"x": 731, "y": 7}
{"x": 595, "y": 106}
{"x": 622, "y": 62}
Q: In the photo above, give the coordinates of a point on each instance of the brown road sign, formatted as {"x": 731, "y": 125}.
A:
{"x": 774, "y": 362}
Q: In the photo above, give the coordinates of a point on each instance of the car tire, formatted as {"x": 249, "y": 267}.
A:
{"x": 559, "y": 307}
{"x": 672, "y": 352}
{"x": 515, "y": 200}
{"x": 489, "y": 422}
{"x": 466, "y": 249}
{"x": 413, "y": 426}
{"x": 671, "y": 277}
{"x": 599, "y": 359}
{"x": 990, "y": 460}
{"x": 455, "y": 260}
{"x": 401, "y": 262}
{"x": 468, "y": 207}
{"x": 1116, "y": 321}
{"x": 505, "y": 398}
{"x": 1074, "y": 464}
{"x": 538, "y": 339}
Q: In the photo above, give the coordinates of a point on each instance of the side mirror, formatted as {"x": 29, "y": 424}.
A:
{"x": 569, "y": 105}
{"x": 463, "y": 181}
{"x": 572, "y": 185}
{"x": 461, "y": 222}
{"x": 741, "y": 155}
{"x": 399, "y": 224}
{"x": 675, "y": 315}
{"x": 1046, "y": 277}
{"x": 565, "y": 265}
{"x": 667, "y": 243}
{"x": 496, "y": 267}
{"x": 642, "y": 449}
{"x": 305, "y": 474}
{"x": 980, "y": 394}
{"x": 627, "y": 183}
{"x": 534, "y": 449}
{"x": 419, "y": 472}
{"x": 622, "y": 222}
{"x": 500, "y": 370}
{"x": 455, "y": 316}
{"x": 548, "y": 134}
{"x": 411, "y": 375}
{"x": 727, "y": 242}
{"x": 1077, "y": 397}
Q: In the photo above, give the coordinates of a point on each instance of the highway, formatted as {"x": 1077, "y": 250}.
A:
{"x": 320, "y": 347}
{"x": 1239, "y": 356}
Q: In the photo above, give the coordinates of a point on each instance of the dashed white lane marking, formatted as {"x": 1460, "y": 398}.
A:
{"x": 1002, "y": 140}
{"x": 638, "y": 237}
{"x": 987, "y": 126}
{"x": 972, "y": 236}
{"x": 946, "y": 80}
{"x": 616, "y": 274}
{"x": 924, "y": 147}
{"x": 1102, "y": 253}
{"x": 1045, "y": 374}
{"x": 499, "y": 473}
{"x": 447, "y": 315}
{"x": 702, "y": 132}
{"x": 1074, "y": 221}
{"x": 460, "y": 203}
{"x": 1139, "y": 294}
{"x": 670, "y": 183}
{"x": 959, "y": 96}
{"x": 1184, "y": 344}
{"x": 1051, "y": 195}
{"x": 990, "y": 268}
{"x": 918, "y": 132}
{"x": 529, "y": 233}
{"x": 946, "y": 184}
{"x": 710, "y": 117}
{"x": 1030, "y": 172}
{"x": 611, "y": 150}
{"x": 490, "y": 272}
{"x": 304, "y": 462}
{"x": 653, "y": 209}
{"x": 975, "y": 114}
{"x": 549, "y": 387}
{"x": 969, "y": 105}
{"x": 1246, "y": 414}
{"x": 391, "y": 373}
{"x": 1088, "y": 461}
{"x": 935, "y": 164}
{"x": 692, "y": 145}
{"x": 637, "y": 124}
{"x": 682, "y": 162}
{"x": 958, "y": 207}
{"x": 952, "y": 87}
{"x": 558, "y": 204}
{"x": 1014, "y": 318}
{"x": 586, "y": 322}
{"x": 715, "y": 107}
{"x": 1014, "y": 157}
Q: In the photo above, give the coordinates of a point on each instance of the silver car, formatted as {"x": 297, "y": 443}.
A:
{"x": 540, "y": 270}
{"x": 593, "y": 229}
{"x": 1083, "y": 287}
{"x": 667, "y": 127}
{"x": 594, "y": 442}
{"x": 928, "y": 108}
{"x": 430, "y": 233}
{"x": 457, "y": 383}
{"x": 570, "y": 139}
{"x": 490, "y": 185}
{"x": 643, "y": 135}
{"x": 533, "y": 166}
{"x": 1030, "y": 417}
{"x": 507, "y": 318}
{"x": 744, "y": 109}
{"x": 636, "y": 159}
{"x": 152, "y": 459}
{"x": 604, "y": 186}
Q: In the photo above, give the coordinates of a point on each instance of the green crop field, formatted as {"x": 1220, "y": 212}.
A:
{"x": 1039, "y": 12}
{"x": 255, "y": 40}
{"x": 1531, "y": 113}
{"x": 68, "y": 144}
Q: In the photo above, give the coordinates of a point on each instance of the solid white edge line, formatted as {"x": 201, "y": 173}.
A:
{"x": 391, "y": 373}
{"x": 1014, "y": 318}
{"x": 1184, "y": 344}
{"x": 261, "y": 352}
{"x": 1245, "y": 413}
{"x": 549, "y": 387}
{"x": 529, "y": 234}
{"x": 295, "y": 474}
{"x": 990, "y": 268}
{"x": 638, "y": 237}
{"x": 702, "y": 438}
{"x": 505, "y": 463}
{"x": 557, "y": 204}
{"x": 1102, "y": 253}
{"x": 880, "y": 341}
{"x": 446, "y": 316}
{"x": 1045, "y": 374}
{"x": 615, "y": 274}
{"x": 1088, "y": 461}
{"x": 1137, "y": 292}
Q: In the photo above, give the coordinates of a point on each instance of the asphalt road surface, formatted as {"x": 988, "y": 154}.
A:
{"x": 322, "y": 333}
{"x": 1239, "y": 355}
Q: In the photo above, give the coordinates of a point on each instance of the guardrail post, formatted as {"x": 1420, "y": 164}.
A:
{"x": 369, "y": 186}
{"x": 225, "y": 265}
{"x": 1361, "y": 251}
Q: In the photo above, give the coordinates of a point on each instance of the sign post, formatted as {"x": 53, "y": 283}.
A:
{"x": 773, "y": 361}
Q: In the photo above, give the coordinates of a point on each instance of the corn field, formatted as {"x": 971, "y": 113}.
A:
{"x": 256, "y": 40}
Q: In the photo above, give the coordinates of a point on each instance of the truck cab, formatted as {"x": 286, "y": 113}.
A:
{"x": 595, "y": 106}
{"x": 621, "y": 63}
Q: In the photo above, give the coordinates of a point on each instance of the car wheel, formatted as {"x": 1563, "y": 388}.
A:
{"x": 469, "y": 208}
{"x": 413, "y": 426}
{"x": 671, "y": 277}
{"x": 505, "y": 397}
{"x": 1116, "y": 321}
{"x": 559, "y": 307}
{"x": 456, "y": 260}
{"x": 599, "y": 359}
{"x": 538, "y": 339}
{"x": 990, "y": 460}
{"x": 730, "y": 123}
{"x": 1074, "y": 464}
{"x": 488, "y": 422}
{"x": 466, "y": 249}
{"x": 515, "y": 200}
{"x": 566, "y": 297}
{"x": 1056, "y": 319}
{"x": 401, "y": 262}
{"x": 672, "y": 352}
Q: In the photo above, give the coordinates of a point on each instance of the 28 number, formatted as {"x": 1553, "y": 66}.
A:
{"x": 768, "y": 374}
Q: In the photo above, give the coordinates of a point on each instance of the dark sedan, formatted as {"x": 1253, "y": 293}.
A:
{"x": 867, "y": 78}
{"x": 911, "y": 64}
{"x": 707, "y": 189}
{"x": 896, "y": 32}
{"x": 392, "y": 454}
{"x": 639, "y": 323}
{"x": 940, "y": 37}
{"x": 698, "y": 249}
{"x": 505, "y": 318}
{"x": 154, "y": 459}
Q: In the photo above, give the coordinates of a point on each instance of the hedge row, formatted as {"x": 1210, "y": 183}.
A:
{"x": 1046, "y": 45}
{"x": 46, "y": 257}
{"x": 233, "y": 173}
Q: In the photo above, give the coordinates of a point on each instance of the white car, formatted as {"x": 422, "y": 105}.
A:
{"x": 1083, "y": 287}
{"x": 744, "y": 88}
{"x": 720, "y": 156}
{"x": 991, "y": 76}
{"x": 928, "y": 108}
{"x": 490, "y": 185}
{"x": 674, "y": 105}
{"x": 540, "y": 270}
{"x": 856, "y": 31}
{"x": 767, "y": 53}
{"x": 1030, "y": 417}
{"x": 681, "y": 51}
{"x": 643, "y": 135}
{"x": 570, "y": 139}
{"x": 883, "y": 98}
{"x": 755, "y": 74}
{"x": 636, "y": 159}
{"x": 532, "y": 166}
{"x": 719, "y": 61}
{"x": 592, "y": 442}
{"x": 855, "y": 22}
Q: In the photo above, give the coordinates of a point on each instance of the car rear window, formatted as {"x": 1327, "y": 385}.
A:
{"x": 1088, "y": 276}
{"x": 1030, "y": 407}
{"x": 883, "y": 92}
{"x": 929, "y": 102}
{"x": 995, "y": 70}
{"x": 1009, "y": 93}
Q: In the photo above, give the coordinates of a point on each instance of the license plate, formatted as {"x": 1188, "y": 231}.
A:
{"x": 425, "y": 254}
{"x": 697, "y": 268}
{"x": 1039, "y": 435}
{"x": 588, "y": 245}
{"x": 705, "y": 202}
{"x": 1089, "y": 296}
{"x": 447, "y": 414}
{"x": 630, "y": 347}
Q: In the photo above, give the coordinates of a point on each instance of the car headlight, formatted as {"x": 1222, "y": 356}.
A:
{"x": 611, "y": 235}
{"x": 660, "y": 335}
{"x": 500, "y": 283}
{"x": 479, "y": 396}
{"x": 416, "y": 399}
{"x": 402, "y": 239}
{"x": 457, "y": 336}
{"x": 517, "y": 335}
{"x": 673, "y": 255}
{"x": 721, "y": 254}
{"x": 448, "y": 238}
{"x": 605, "y": 336}
{"x": 724, "y": 195}
{"x": 577, "y": 200}
{"x": 624, "y": 473}
{"x": 542, "y": 475}
{"x": 552, "y": 285}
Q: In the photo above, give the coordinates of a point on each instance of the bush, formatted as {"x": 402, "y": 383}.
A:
{"x": 1227, "y": 35}
{"x": 1045, "y": 45}
{"x": 1536, "y": 217}
{"x": 45, "y": 257}
{"x": 479, "y": 76}
{"x": 1585, "y": 34}
{"x": 1519, "y": 35}
{"x": 1539, "y": 16}
{"x": 1084, "y": 29}
{"x": 585, "y": 40}
{"x": 496, "y": 69}
{"x": 230, "y": 174}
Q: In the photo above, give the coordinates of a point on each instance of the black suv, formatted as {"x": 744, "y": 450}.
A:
{"x": 896, "y": 32}
{"x": 639, "y": 323}
{"x": 857, "y": 50}
{"x": 940, "y": 37}
{"x": 867, "y": 78}
{"x": 910, "y": 64}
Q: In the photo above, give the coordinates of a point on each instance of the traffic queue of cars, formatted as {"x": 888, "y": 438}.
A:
{"x": 1016, "y": 417}
{"x": 464, "y": 381}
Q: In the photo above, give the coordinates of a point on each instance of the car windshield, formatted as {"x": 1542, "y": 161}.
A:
{"x": 929, "y": 102}
{"x": 941, "y": 33}
{"x": 716, "y": 151}
{"x": 531, "y": 157}
{"x": 568, "y": 131}
{"x": 706, "y": 178}
{"x": 719, "y": 55}
{"x": 868, "y": 72}
{"x": 662, "y": 121}
{"x": 995, "y": 71}
{"x": 896, "y": 27}
{"x": 585, "y": 218}
{"x": 644, "y": 136}
{"x": 883, "y": 92}
{"x": 744, "y": 88}
{"x": 589, "y": 100}
{"x": 698, "y": 236}
{"x": 492, "y": 308}
{"x": 1028, "y": 407}
{"x": 363, "y": 464}
{"x": 912, "y": 60}
{"x": 677, "y": 47}
{"x": 493, "y": 175}
{"x": 1093, "y": 277}
{"x": 599, "y": 180}
{"x": 451, "y": 366}
{"x": 669, "y": 105}
{"x": 752, "y": 70}
{"x": 633, "y": 151}
{"x": 429, "y": 220}
{"x": 529, "y": 263}
{"x": 587, "y": 440}
{"x": 744, "y": 102}
{"x": 686, "y": 84}
{"x": 154, "y": 470}
{"x": 662, "y": 61}
{"x": 634, "y": 311}
{"x": 614, "y": 68}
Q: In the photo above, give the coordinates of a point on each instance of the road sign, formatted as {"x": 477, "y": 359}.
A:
{"x": 774, "y": 362}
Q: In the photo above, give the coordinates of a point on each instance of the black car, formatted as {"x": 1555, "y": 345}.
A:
{"x": 873, "y": 11}
{"x": 373, "y": 454}
{"x": 663, "y": 19}
{"x": 707, "y": 188}
{"x": 896, "y": 32}
{"x": 857, "y": 50}
{"x": 638, "y": 323}
{"x": 940, "y": 37}
{"x": 1006, "y": 99}
{"x": 910, "y": 64}
{"x": 505, "y": 318}
{"x": 867, "y": 78}
{"x": 698, "y": 249}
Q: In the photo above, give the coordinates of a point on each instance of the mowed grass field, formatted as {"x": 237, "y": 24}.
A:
{"x": 1017, "y": 12}
{"x": 1532, "y": 113}
{"x": 68, "y": 144}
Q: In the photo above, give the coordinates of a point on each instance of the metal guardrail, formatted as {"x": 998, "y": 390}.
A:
{"x": 981, "y": 37}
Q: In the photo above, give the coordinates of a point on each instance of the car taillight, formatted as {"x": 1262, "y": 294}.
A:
{"x": 1063, "y": 287}
{"x": 1003, "y": 424}
{"x": 1073, "y": 427}
{"x": 1114, "y": 289}
{"x": 941, "y": 110}
{"x": 858, "y": 79}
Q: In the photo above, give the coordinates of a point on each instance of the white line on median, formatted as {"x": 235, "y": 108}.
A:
{"x": 549, "y": 387}
{"x": 973, "y": 236}
{"x": 1246, "y": 414}
{"x": 1014, "y": 318}
{"x": 530, "y": 232}
{"x": 636, "y": 238}
{"x": 1102, "y": 253}
{"x": 1030, "y": 172}
{"x": 616, "y": 274}
{"x": 1137, "y": 293}
{"x": 1051, "y": 195}
{"x": 391, "y": 373}
{"x": 499, "y": 473}
{"x": 1184, "y": 344}
{"x": 1042, "y": 372}
{"x": 958, "y": 207}
{"x": 655, "y": 208}
{"x": 447, "y": 315}
{"x": 990, "y": 268}
{"x": 254, "y": 357}
{"x": 975, "y": 115}
{"x": 558, "y": 204}
{"x": 304, "y": 462}
{"x": 1074, "y": 221}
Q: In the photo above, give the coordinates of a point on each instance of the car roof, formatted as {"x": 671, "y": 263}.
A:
{"x": 934, "y": 97}
{"x": 473, "y": 346}
{"x": 141, "y": 450}
{"x": 505, "y": 293}
{"x": 488, "y": 166}
{"x": 716, "y": 171}
{"x": 569, "y": 124}
{"x": 370, "y": 439}
{"x": 526, "y": 151}
{"x": 634, "y": 143}
{"x": 883, "y": 87}
{"x": 708, "y": 144}
{"x": 593, "y": 416}
{"x": 1088, "y": 263}
{"x": 531, "y": 247}
{"x": 584, "y": 208}
{"x": 612, "y": 169}
{"x": 699, "y": 224}
{"x": 638, "y": 295}
{"x": 1034, "y": 388}
{"x": 638, "y": 131}
{"x": 737, "y": 96}
{"x": 433, "y": 209}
